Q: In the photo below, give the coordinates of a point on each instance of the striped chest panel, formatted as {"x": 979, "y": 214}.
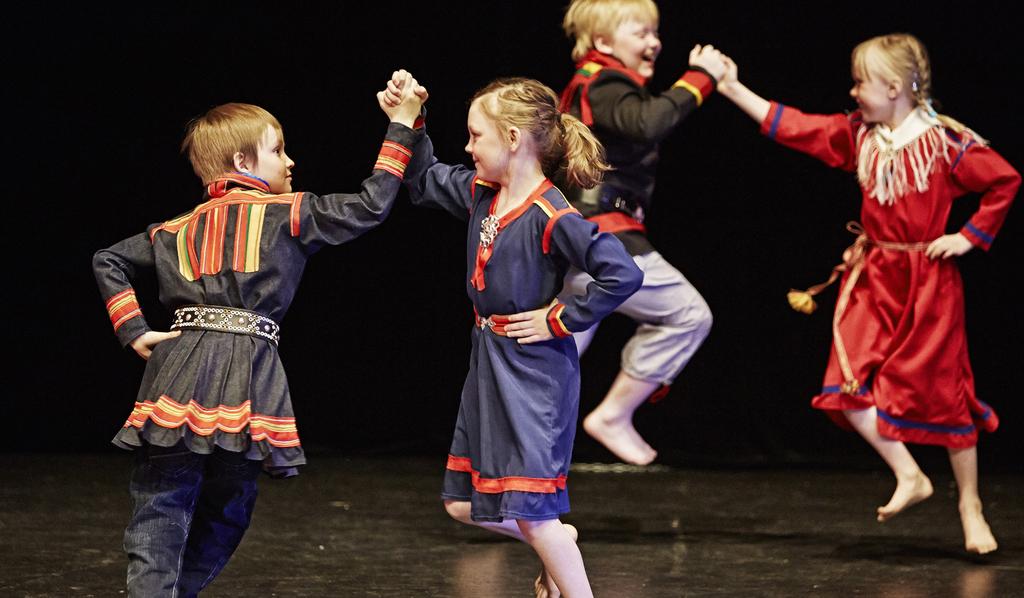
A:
{"x": 207, "y": 256}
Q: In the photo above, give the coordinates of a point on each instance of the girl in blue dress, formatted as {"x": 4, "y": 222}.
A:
{"x": 510, "y": 455}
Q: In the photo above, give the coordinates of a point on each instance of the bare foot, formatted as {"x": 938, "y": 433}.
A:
{"x": 978, "y": 537}
{"x": 619, "y": 437}
{"x": 544, "y": 586}
{"x": 909, "y": 492}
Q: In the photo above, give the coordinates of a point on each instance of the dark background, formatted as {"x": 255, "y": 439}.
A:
{"x": 376, "y": 343}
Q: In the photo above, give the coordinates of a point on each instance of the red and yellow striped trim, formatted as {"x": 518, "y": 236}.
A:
{"x": 296, "y": 213}
{"x": 479, "y": 181}
{"x": 555, "y": 321}
{"x": 168, "y": 413}
{"x": 211, "y": 258}
{"x": 499, "y": 485}
{"x": 553, "y": 217}
{"x": 188, "y": 261}
{"x": 123, "y": 307}
{"x": 393, "y": 158}
{"x": 222, "y": 185}
{"x": 248, "y": 233}
{"x": 237, "y": 196}
{"x": 697, "y": 83}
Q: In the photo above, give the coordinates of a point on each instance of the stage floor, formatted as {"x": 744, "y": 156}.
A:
{"x": 375, "y": 527}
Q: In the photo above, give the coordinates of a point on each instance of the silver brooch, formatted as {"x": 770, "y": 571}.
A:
{"x": 488, "y": 230}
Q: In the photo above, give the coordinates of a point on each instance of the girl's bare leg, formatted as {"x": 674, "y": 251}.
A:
{"x": 912, "y": 486}
{"x": 563, "y": 563}
{"x": 611, "y": 422}
{"x": 977, "y": 535}
{"x": 460, "y": 509}
{"x": 545, "y": 585}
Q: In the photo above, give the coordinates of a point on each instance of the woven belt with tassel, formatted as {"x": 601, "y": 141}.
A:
{"x": 854, "y": 259}
{"x": 226, "y": 319}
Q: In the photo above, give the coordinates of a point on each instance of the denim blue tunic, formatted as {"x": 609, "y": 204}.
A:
{"x": 513, "y": 437}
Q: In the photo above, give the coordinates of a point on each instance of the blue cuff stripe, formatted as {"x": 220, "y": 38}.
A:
{"x": 775, "y": 122}
{"x": 961, "y": 155}
{"x": 988, "y": 410}
{"x": 829, "y": 390}
{"x": 903, "y": 423}
{"x": 979, "y": 233}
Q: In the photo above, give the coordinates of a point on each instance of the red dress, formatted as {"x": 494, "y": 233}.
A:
{"x": 903, "y": 328}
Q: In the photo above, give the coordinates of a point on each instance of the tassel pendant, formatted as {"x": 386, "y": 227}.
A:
{"x": 801, "y": 301}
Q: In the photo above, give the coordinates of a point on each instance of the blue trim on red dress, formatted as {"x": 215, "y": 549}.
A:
{"x": 902, "y": 423}
{"x": 979, "y": 233}
{"x": 961, "y": 155}
{"x": 775, "y": 122}
{"x": 828, "y": 390}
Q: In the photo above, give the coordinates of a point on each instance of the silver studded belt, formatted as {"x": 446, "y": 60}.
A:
{"x": 226, "y": 319}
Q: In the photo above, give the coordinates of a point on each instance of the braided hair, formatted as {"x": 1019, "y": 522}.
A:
{"x": 903, "y": 57}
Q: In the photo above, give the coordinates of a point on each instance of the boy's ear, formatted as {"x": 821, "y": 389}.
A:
{"x": 241, "y": 162}
{"x": 603, "y": 44}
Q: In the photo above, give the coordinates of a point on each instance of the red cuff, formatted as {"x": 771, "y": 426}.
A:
{"x": 697, "y": 83}
{"x": 393, "y": 158}
{"x": 123, "y": 307}
{"x": 555, "y": 324}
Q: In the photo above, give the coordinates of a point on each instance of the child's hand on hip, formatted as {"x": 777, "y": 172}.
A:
{"x": 529, "y": 326}
{"x": 144, "y": 343}
{"x": 948, "y": 246}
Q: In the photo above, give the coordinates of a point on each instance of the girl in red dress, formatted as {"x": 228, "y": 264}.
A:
{"x": 899, "y": 369}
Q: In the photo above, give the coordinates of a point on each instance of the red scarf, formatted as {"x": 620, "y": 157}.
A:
{"x": 586, "y": 72}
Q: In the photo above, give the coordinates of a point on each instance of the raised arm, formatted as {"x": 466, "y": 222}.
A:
{"x": 746, "y": 100}
{"x": 340, "y": 217}
{"x": 828, "y": 137}
{"x": 621, "y": 107}
{"x": 438, "y": 185}
{"x": 430, "y": 182}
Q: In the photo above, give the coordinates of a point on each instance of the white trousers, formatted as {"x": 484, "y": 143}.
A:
{"x": 672, "y": 320}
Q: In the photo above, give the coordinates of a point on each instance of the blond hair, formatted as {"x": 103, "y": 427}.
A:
{"x": 560, "y": 139}
{"x": 587, "y": 19}
{"x": 901, "y": 57}
{"x": 213, "y": 138}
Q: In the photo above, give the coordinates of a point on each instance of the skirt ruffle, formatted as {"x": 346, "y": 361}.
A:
{"x": 207, "y": 389}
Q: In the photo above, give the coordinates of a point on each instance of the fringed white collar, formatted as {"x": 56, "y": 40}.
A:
{"x": 889, "y": 158}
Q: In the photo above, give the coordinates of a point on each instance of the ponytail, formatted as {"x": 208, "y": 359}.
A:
{"x": 582, "y": 153}
{"x": 560, "y": 139}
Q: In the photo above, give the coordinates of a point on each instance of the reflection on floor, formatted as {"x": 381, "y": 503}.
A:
{"x": 374, "y": 527}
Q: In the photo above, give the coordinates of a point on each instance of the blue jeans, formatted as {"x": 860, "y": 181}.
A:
{"x": 189, "y": 514}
